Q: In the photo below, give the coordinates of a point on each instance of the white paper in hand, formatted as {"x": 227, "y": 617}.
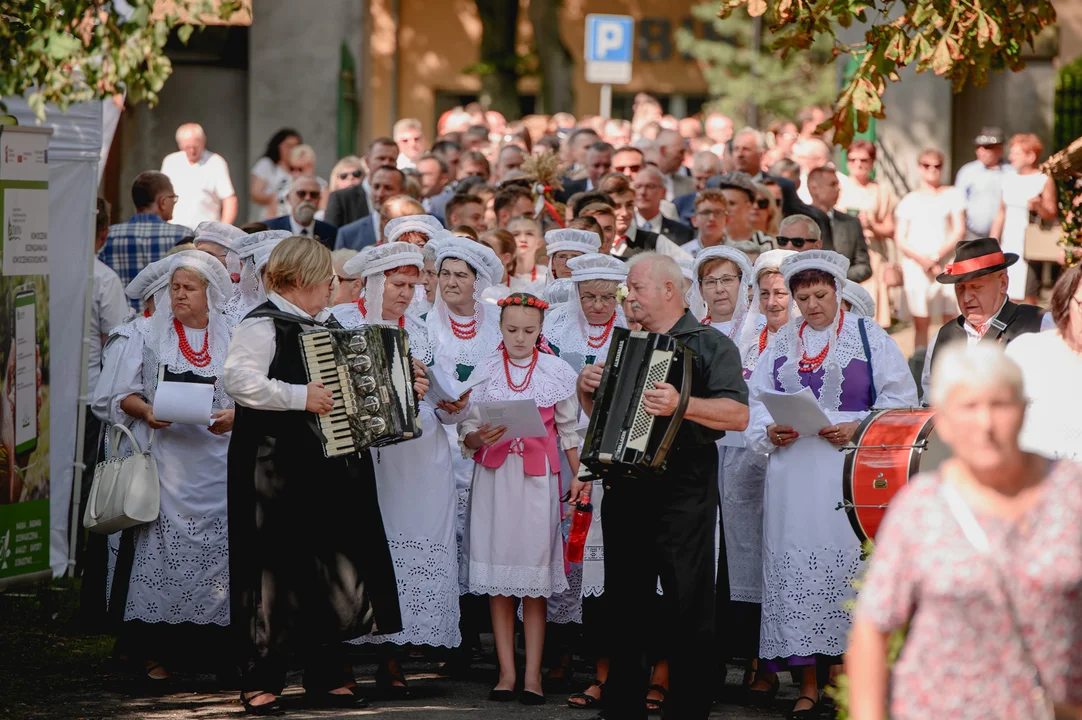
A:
{"x": 799, "y": 411}
{"x": 444, "y": 388}
{"x": 521, "y": 417}
{"x": 181, "y": 402}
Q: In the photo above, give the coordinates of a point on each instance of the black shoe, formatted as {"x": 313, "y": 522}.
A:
{"x": 498, "y": 695}
{"x": 271, "y": 708}
{"x": 385, "y": 683}
{"x": 341, "y": 701}
{"x": 762, "y": 698}
{"x": 807, "y": 714}
{"x": 531, "y": 698}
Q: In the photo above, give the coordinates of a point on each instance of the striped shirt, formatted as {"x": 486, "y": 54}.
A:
{"x": 132, "y": 245}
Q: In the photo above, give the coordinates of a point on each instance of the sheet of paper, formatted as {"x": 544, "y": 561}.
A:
{"x": 799, "y": 411}
{"x": 521, "y": 417}
{"x": 180, "y": 402}
{"x": 444, "y": 388}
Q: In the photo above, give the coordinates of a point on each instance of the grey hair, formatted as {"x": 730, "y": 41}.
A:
{"x": 813, "y": 227}
{"x": 760, "y": 139}
{"x": 193, "y": 128}
{"x": 293, "y": 184}
{"x": 983, "y": 365}
{"x": 339, "y": 258}
{"x": 194, "y": 271}
{"x": 428, "y": 252}
{"x": 662, "y": 267}
{"x": 706, "y": 159}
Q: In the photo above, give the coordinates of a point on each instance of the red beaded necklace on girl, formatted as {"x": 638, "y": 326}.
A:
{"x": 533, "y": 276}
{"x": 600, "y": 340}
{"x": 811, "y": 364}
{"x": 198, "y": 359}
{"x": 364, "y": 312}
{"x": 519, "y": 387}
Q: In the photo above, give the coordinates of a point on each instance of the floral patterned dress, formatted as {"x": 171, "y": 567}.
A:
{"x": 962, "y": 658}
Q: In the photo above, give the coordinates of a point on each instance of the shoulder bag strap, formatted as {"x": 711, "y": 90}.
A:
{"x": 867, "y": 354}
{"x": 977, "y": 537}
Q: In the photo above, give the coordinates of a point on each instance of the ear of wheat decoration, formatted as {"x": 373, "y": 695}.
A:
{"x": 544, "y": 173}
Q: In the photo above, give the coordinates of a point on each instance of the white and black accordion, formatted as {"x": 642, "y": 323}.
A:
{"x": 369, "y": 372}
{"x": 622, "y": 436}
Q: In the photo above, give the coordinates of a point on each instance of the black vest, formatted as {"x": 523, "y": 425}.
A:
{"x": 644, "y": 240}
{"x": 1013, "y": 320}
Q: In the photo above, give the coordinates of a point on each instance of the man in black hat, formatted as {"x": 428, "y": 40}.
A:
{"x": 982, "y": 182}
{"x": 979, "y": 276}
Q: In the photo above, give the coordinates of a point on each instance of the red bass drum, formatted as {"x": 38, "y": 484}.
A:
{"x": 889, "y": 448}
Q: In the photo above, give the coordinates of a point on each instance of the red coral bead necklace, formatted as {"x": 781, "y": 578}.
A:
{"x": 519, "y": 387}
{"x": 811, "y": 364}
{"x": 198, "y": 359}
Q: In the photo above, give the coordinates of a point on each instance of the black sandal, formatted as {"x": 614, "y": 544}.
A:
{"x": 655, "y": 706}
{"x": 385, "y": 683}
{"x": 271, "y": 708}
{"x": 761, "y": 698}
{"x": 805, "y": 714}
{"x": 589, "y": 702}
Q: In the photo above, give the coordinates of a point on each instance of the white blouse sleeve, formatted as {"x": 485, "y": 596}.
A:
{"x": 247, "y": 364}
{"x": 894, "y": 384}
{"x": 762, "y": 379}
{"x": 471, "y": 422}
{"x": 121, "y": 376}
{"x": 567, "y": 420}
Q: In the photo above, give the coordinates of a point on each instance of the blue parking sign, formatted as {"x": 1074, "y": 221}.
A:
{"x": 610, "y": 42}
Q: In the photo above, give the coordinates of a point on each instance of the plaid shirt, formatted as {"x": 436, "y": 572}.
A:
{"x": 132, "y": 245}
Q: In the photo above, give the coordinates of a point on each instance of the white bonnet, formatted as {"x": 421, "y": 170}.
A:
{"x": 770, "y": 259}
{"x": 209, "y": 267}
{"x": 737, "y": 257}
{"x": 150, "y": 280}
{"x": 218, "y": 233}
{"x": 582, "y": 241}
{"x": 426, "y": 224}
{"x": 249, "y": 245}
{"x": 860, "y": 299}
{"x": 595, "y": 266}
{"x": 381, "y": 258}
{"x": 825, "y": 260}
{"x": 478, "y": 256}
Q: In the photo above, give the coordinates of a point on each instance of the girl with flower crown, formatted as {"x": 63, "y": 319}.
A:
{"x": 512, "y": 545}
{"x": 810, "y": 553}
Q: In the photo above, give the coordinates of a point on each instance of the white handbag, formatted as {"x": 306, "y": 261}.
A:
{"x": 125, "y": 491}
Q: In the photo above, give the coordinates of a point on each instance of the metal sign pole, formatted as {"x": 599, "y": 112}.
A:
{"x": 606, "y": 101}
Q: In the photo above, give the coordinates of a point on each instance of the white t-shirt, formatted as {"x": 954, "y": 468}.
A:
{"x": 929, "y": 217}
{"x": 109, "y": 310}
{"x": 277, "y": 180}
{"x": 200, "y": 188}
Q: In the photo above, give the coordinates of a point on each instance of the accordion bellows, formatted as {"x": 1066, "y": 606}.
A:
{"x": 369, "y": 372}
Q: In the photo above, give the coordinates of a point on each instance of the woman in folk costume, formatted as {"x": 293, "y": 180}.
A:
{"x": 723, "y": 277}
{"x": 219, "y": 239}
{"x": 741, "y": 475}
{"x": 171, "y": 586}
{"x": 415, "y": 480}
{"x": 417, "y": 230}
{"x": 250, "y": 293}
{"x": 561, "y": 245}
{"x": 512, "y": 545}
{"x": 309, "y": 563}
{"x": 810, "y": 554}
{"x": 530, "y": 276}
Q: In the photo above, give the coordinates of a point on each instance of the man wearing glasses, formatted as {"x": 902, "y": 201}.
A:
{"x": 710, "y": 217}
{"x": 981, "y": 181}
{"x": 303, "y": 200}
{"x": 649, "y": 186}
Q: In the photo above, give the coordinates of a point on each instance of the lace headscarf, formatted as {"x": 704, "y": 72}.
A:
{"x": 860, "y": 300}
{"x": 788, "y": 375}
{"x": 487, "y": 268}
{"x": 374, "y": 266}
{"x": 252, "y": 293}
{"x": 424, "y": 224}
{"x": 738, "y": 258}
{"x": 748, "y": 339}
{"x": 219, "y": 289}
{"x": 150, "y": 281}
{"x": 226, "y": 236}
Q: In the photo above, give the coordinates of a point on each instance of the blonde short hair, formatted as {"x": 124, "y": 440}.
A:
{"x": 983, "y": 365}
{"x": 766, "y": 272}
{"x": 297, "y": 262}
{"x": 302, "y": 154}
{"x": 339, "y": 258}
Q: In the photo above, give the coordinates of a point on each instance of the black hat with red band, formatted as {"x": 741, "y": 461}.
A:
{"x": 975, "y": 258}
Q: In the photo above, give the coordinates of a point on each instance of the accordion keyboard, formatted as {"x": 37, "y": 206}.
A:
{"x": 639, "y": 435}
{"x": 323, "y": 367}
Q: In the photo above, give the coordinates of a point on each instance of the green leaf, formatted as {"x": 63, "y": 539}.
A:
{"x": 184, "y": 32}
{"x": 63, "y": 46}
{"x": 140, "y": 16}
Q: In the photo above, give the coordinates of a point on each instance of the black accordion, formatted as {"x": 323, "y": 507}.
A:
{"x": 369, "y": 372}
{"x": 622, "y": 435}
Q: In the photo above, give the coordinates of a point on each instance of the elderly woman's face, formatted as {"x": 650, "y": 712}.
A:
{"x": 188, "y": 295}
{"x": 774, "y": 300}
{"x": 721, "y": 290}
{"x": 818, "y": 304}
{"x": 598, "y": 300}
{"x": 981, "y": 424}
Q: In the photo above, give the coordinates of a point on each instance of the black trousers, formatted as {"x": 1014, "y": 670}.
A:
{"x": 324, "y": 670}
{"x": 662, "y": 527}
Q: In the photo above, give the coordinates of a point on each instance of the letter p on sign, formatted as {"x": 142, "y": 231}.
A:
{"x": 610, "y": 37}
{"x": 609, "y": 44}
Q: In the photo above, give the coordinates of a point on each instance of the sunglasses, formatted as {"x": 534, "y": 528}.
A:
{"x": 627, "y": 168}
{"x": 796, "y": 241}
{"x": 308, "y": 194}
{"x": 355, "y": 173}
{"x": 762, "y": 203}
{"x": 931, "y": 166}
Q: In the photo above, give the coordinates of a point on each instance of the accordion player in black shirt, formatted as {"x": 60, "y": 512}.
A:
{"x": 663, "y": 525}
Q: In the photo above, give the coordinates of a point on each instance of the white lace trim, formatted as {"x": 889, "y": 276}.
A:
{"x": 564, "y": 327}
{"x": 553, "y": 380}
{"x": 177, "y": 363}
{"x": 803, "y": 596}
{"x": 566, "y": 607}
{"x": 427, "y": 576}
{"x": 451, "y": 351}
{"x": 844, "y": 347}
{"x": 516, "y": 580}
{"x": 180, "y": 572}
{"x": 558, "y": 292}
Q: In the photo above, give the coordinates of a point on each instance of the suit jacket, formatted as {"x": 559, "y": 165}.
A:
{"x": 437, "y": 204}
{"x": 346, "y": 205}
{"x": 644, "y": 240}
{"x": 570, "y": 188}
{"x": 678, "y": 232}
{"x": 681, "y": 185}
{"x": 358, "y": 234}
{"x": 325, "y": 232}
{"x": 685, "y": 206}
{"x": 791, "y": 204}
{"x": 848, "y": 240}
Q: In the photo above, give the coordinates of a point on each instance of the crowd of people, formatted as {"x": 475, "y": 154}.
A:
{"x": 781, "y": 274}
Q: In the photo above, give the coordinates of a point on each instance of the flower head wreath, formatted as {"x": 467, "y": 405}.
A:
{"x": 530, "y": 301}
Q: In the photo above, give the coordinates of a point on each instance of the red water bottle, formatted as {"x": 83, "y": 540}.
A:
{"x": 580, "y": 528}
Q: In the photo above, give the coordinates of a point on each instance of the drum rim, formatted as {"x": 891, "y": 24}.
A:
{"x": 850, "y": 458}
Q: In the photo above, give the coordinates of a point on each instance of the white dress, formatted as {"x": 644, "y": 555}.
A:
{"x": 1018, "y": 190}
{"x": 181, "y": 566}
{"x": 532, "y": 282}
{"x": 810, "y": 552}
{"x": 928, "y": 217}
{"x": 512, "y": 544}
{"x": 1050, "y": 373}
{"x": 418, "y": 501}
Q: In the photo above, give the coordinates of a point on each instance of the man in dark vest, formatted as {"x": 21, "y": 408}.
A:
{"x": 979, "y": 276}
